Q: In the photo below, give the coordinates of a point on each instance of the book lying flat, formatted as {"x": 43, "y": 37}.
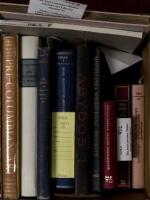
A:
{"x": 120, "y": 39}
{"x": 125, "y": 35}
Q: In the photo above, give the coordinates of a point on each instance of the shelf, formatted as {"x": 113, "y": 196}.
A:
{"x": 123, "y": 195}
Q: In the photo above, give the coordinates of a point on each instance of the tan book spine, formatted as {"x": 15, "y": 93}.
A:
{"x": 10, "y": 105}
{"x": 138, "y": 136}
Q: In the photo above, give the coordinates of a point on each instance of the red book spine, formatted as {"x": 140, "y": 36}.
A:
{"x": 109, "y": 146}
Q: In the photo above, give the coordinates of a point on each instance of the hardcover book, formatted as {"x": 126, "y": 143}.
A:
{"x": 63, "y": 120}
{"x": 10, "y": 117}
{"x": 28, "y": 83}
{"x": 45, "y": 56}
{"x": 138, "y": 136}
{"x": 124, "y": 135}
{"x": 109, "y": 159}
{"x": 102, "y": 90}
{"x": 83, "y": 119}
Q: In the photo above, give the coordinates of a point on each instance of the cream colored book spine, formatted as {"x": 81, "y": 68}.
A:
{"x": 29, "y": 64}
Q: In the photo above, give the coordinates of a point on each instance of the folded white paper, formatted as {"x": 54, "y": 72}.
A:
{"x": 118, "y": 60}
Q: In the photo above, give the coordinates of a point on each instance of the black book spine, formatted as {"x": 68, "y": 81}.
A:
{"x": 96, "y": 179}
{"x": 44, "y": 124}
{"x": 83, "y": 119}
{"x": 102, "y": 90}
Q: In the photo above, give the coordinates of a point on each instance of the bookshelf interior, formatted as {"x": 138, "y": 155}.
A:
{"x": 93, "y": 20}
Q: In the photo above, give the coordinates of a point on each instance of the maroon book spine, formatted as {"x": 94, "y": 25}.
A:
{"x": 124, "y": 135}
{"x": 109, "y": 146}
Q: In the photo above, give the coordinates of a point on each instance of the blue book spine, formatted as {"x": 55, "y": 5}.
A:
{"x": 44, "y": 124}
{"x": 65, "y": 98}
{"x": 65, "y": 84}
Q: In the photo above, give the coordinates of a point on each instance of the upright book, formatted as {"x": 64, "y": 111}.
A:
{"x": 44, "y": 122}
{"x": 101, "y": 91}
{"x": 138, "y": 136}
{"x": 124, "y": 135}
{"x": 10, "y": 117}
{"x": 63, "y": 120}
{"x": 83, "y": 118}
{"x": 109, "y": 158}
{"x": 28, "y": 82}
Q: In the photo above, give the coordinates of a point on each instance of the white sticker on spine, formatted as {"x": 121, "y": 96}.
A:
{"x": 124, "y": 139}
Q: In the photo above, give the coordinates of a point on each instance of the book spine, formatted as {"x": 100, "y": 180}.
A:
{"x": 109, "y": 145}
{"x": 96, "y": 179}
{"x": 138, "y": 136}
{"x": 44, "y": 124}
{"x": 124, "y": 135}
{"x": 98, "y": 83}
{"x": 103, "y": 90}
{"x": 0, "y": 116}
{"x": 10, "y": 105}
{"x": 63, "y": 121}
{"x": 28, "y": 83}
{"x": 83, "y": 119}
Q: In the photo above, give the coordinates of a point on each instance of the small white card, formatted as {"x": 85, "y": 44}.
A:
{"x": 59, "y": 8}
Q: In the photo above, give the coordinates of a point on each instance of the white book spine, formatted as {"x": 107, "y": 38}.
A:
{"x": 29, "y": 134}
{"x": 29, "y": 64}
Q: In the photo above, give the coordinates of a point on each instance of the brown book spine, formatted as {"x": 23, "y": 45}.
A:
{"x": 124, "y": 135}
{"x": 109, "y": 145}
{"x": 10, "y": 116}
{"x": 138, "y": 136}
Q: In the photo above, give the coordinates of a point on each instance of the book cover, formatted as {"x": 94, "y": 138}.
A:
{"x": 83, "y": 118}
{"x": 45, "y": 56}
{"x": 63, "y": 120}
{"x": 138, "y": 136}
{"x": 10, "y": 117}
{"x": 124, "y": 135}
{"x": 102, "y": 90}
{"x": 109, "y": 159}
{"x": 28, "y": 83}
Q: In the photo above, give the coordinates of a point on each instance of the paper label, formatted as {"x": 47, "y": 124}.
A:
{"x": 60, "y": 8}
{"x": 28, "y": 71}
{"x": 124, "y": 139}
{"x": 63, "y": 138}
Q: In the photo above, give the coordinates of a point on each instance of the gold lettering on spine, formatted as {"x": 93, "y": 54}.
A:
{"x": 9, "y": 115}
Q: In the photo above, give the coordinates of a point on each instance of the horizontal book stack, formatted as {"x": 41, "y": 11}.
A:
{"x": 70, "y": 123}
